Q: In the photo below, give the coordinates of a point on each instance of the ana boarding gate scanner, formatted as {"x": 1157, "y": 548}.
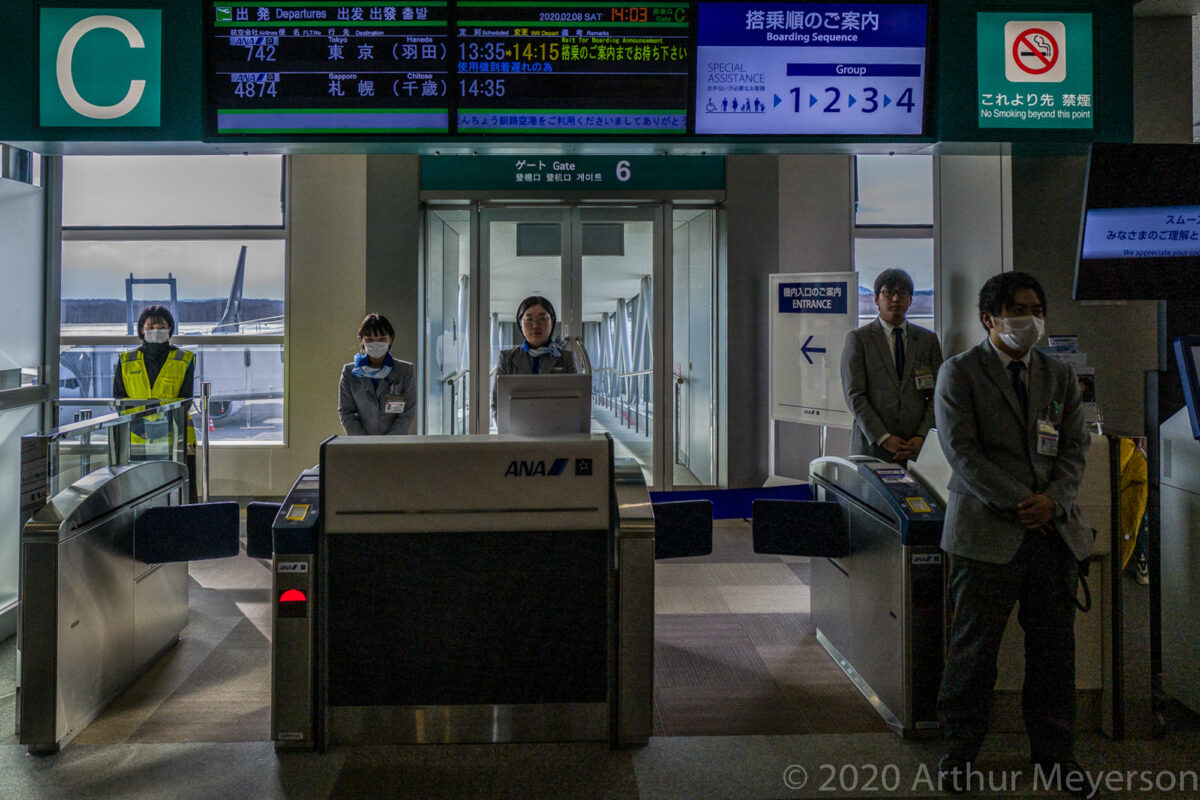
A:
{"x": 463, "y": 589}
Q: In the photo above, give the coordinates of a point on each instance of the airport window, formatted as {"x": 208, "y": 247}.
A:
{"x": 204, "y": 236}
{"x": 893, "y": 227}
{"x": 181, "y": 191}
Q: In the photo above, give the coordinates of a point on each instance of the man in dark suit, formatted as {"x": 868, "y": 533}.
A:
{"x": 888, "y": 372}
{"x": 1010, "y": 422}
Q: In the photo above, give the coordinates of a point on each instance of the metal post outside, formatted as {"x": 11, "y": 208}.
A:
{"x": 205, "y": 393}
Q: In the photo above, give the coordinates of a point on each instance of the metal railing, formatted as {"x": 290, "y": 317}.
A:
{"x": 54, "y": 459}
{"x": 457, "y": 382}
{"x": 629, "y": 407}
{"x": 678, "y": 383}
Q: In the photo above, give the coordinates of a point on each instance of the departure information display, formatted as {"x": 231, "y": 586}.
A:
{"x": 572, "y": 67}
{"x": 810, "y": 68}
{"x": 516, "y": 68}
{"x": 323, "y": 67}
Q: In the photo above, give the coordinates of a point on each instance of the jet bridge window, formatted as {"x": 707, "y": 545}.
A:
{"x": 893, "y": 227}
{"x": 204, "y": 236}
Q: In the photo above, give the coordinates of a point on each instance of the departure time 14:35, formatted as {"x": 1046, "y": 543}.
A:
{"x": 488, "y": 87}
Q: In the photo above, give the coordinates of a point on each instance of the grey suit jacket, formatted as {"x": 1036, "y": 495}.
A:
{"x": 516, "y": 361}
{"x": 361, "y": 403}
{"x": 881, "y": 402}
{"x": 992, "y": 450}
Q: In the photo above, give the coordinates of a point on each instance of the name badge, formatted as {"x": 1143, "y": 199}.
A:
{"x": 924, "y": 379}
{"x": 394, "y": 405}
{"x": 1047, "y": 438}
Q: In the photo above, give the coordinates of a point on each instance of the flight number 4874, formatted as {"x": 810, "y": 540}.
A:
{"x": 868, "y": 100}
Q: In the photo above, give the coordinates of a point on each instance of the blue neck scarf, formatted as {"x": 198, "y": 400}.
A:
{"x": 535, "y": 353}
{"x": 551, "y": 348}
{"x": 363, "y": 368}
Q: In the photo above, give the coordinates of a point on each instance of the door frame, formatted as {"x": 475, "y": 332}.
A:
{"x": 571, "y": 219}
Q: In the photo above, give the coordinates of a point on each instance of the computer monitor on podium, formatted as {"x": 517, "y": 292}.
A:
{"x": 543, "y": 405}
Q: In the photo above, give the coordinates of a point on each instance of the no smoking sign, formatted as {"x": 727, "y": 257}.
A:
{"x": 1035, "y": 51}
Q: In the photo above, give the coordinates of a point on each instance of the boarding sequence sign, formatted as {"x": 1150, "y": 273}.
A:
{"x": 484, "y": 68}
{"x": 791, "y": 69}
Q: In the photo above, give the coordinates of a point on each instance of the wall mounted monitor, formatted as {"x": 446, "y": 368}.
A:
{"x": 328, "y": 68}
{"x": 569, "y": 69}
{"x": 1187, "y": 356}
{"x": 1140, "y": 234}
{"x": 572, "y": 67}
{"x": 435, "y": 67}
{"x": 791, "y": 69}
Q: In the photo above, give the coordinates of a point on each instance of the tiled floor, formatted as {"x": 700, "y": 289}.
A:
{"x": 736, "y": 652}
{"x": 745, "y": 703}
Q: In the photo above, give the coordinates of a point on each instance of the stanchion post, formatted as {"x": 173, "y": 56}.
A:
{"x": 205, "y": 392}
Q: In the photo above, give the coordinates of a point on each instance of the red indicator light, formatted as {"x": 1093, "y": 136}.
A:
{"x": 293, "y": 596}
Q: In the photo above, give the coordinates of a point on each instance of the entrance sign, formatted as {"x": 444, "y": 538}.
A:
{"x": 100, "y": 67}
{"x": 825, "y": 68}
{"x": 811, "y": 315}
{"x": 1035, "y": 71}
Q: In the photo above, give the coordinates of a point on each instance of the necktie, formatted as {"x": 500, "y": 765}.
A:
{"x": 1016, "y": 367}
{"x": 898, "y": 337}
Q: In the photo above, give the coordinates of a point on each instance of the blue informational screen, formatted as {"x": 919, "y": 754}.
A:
{"x": 810, "y": 68}
{"x": 1141, "y": 232}
{"x": 1187, "y": 356}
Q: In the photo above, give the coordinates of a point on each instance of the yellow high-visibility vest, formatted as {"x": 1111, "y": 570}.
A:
{"x": 166, "y": 385}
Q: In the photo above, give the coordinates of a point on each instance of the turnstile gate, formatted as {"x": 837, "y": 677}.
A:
{"x": 879, "y": 609}
{"x": 463, "y": 589}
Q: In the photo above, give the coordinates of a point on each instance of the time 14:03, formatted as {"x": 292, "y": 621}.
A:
{"x": 488, "y": 87}
{"x": 638, "y": 14}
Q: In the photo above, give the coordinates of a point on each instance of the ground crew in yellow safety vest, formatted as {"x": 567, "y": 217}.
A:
{"x": 157, "y": 370}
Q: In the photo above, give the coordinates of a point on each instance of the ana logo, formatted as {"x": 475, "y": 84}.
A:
{"x": 528, "y": 469}
{"x": 100, "y": 67}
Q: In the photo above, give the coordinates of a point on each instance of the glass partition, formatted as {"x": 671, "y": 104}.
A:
{"x": 246, "y": 400}
{"x": 447, "y": 302}
{"x": 14, "y": 423}
{"x": 144, "y": 430}
{"x": 693, "y": 368}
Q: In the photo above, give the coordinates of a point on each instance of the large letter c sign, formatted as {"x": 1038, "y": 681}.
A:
{"x": 66, "y": 52}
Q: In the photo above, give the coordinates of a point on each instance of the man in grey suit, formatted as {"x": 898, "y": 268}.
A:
{"x": 1010, "y": 422}
{"x": 888, "y": 372}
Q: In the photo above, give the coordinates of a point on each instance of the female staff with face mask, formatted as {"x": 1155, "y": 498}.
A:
{"x": 157, "y": 370}
{"x": 377, "y": 393}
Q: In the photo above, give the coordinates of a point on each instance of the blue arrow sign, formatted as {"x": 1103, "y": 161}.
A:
{"x": 887, "y": 101}
{"x": 812, "y": 100}
{"x": 805, "y": 349}
{"x": 778, "y": 99}
{"x": 852, "y": 101}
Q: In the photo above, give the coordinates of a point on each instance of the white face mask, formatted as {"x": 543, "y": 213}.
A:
{"x": 376, "y": 349}
{"x": 1020, "y": 333}
{"x": 156, "y": 335}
